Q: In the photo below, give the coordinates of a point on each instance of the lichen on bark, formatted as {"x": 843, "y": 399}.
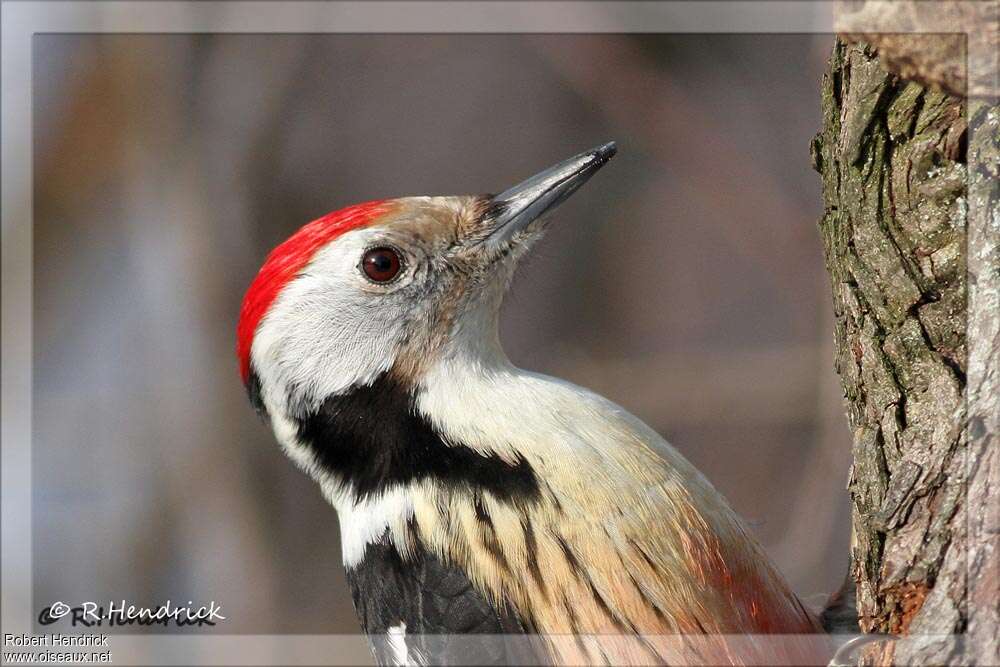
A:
{"x": 892, "y": 157}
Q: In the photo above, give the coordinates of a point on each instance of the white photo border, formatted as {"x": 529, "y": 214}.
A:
{"x": 22, "y": 20}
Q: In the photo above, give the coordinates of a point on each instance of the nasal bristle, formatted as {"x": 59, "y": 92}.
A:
{"x": 288, "y": 259}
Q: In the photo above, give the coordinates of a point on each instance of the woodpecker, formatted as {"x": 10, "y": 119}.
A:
{"x": 479, "y": 502}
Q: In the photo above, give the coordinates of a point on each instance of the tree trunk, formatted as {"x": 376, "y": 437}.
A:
{"x": 892, "y": 156}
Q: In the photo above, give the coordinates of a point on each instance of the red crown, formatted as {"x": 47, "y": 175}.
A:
{"x": 287, "y": 260}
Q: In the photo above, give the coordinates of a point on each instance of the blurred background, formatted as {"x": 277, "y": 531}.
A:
{"x": 685, "y": 282}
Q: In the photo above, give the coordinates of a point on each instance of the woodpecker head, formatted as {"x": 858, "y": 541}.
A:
{"x": 385, "y": 286}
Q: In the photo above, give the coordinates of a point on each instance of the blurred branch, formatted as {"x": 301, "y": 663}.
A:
{"x": 632, "y": 90}
{"x": 684, "y": 389}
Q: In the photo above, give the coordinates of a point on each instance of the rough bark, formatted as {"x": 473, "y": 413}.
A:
{"x": 950, "y": 44}
{"x": 892, "y": 156}
{"x": 982, "y": 639}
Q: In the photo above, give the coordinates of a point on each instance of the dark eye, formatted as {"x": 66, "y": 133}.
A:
{"x": 381, "y": 264}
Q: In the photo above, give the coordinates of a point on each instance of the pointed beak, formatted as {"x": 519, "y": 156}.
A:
{"x": 513, "y": 210}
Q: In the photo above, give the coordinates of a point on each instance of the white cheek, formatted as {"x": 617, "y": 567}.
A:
{"x": 328, "y": 330}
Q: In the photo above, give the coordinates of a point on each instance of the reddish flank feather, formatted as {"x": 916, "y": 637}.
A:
{"x": 288, "y": 259}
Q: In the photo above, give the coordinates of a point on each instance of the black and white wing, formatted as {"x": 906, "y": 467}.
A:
{"x": 423, "y": 612}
